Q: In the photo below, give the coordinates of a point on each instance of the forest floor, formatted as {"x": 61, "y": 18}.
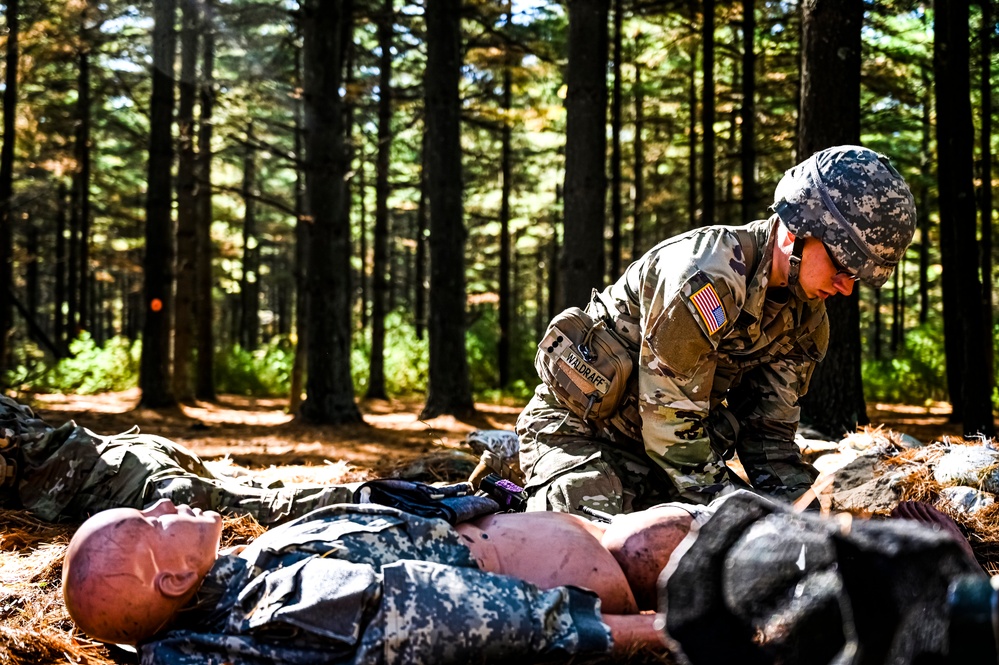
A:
{"x": 259, "y": 435}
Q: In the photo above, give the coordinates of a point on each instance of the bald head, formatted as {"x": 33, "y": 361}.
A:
{"x": 128, "y": 572}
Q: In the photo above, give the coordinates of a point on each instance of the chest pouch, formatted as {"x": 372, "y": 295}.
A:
{"x": 584, "y": 364}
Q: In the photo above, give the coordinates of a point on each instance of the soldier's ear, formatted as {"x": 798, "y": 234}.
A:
{"x": 176, "y": 585}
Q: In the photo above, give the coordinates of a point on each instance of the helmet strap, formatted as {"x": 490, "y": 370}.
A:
{"x": 794, "y": 261}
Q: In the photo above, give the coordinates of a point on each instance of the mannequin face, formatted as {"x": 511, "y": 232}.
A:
{"x": 127, "y": 572}
{"x": 181, "y": 535}
{"x": 820, "y": 276}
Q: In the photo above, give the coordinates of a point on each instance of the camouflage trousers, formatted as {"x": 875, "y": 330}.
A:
{"x": 570, "y": 465}
{"x": 151, "y": 468}
{"x": 70, "y": 473}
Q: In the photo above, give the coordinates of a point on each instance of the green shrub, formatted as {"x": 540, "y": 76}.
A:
{"x": 91, "y": 369}
{"x": 916, "y": 374}
{"x": 265, "y": 372}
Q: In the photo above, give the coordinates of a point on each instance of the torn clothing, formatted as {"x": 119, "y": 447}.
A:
{"x": 721, "y": 364}
{"x": 371, "y": 584}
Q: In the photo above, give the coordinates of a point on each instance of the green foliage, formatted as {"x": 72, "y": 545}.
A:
{"x": 265, "y": 372}
{"x": 91, "y": 369}
{"x": 916, "y": 374}
{"x": 406, "y": 359}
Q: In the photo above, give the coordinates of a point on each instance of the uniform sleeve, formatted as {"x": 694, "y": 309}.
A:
{"x": 445, "y": 614}
{"x": 676, "y": 369}
{"x": 767, "y": 403}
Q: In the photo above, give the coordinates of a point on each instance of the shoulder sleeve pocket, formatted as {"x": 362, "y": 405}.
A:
{"x": 677, "y": 341}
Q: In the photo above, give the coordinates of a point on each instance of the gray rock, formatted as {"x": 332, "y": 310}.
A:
{"x": 966, "y": 499}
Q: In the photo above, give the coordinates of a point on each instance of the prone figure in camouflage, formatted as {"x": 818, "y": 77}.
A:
{"x": 69, "y": 473}
{"x": 724, "y": 326}
{"x": 368, "y": 583}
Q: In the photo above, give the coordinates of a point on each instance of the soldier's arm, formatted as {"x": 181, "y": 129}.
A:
{"x": 767, "y": 404}
{"x": 676, "y": 368}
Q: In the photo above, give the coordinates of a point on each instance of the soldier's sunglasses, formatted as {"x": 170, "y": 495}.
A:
{"x": 840, "y": 268}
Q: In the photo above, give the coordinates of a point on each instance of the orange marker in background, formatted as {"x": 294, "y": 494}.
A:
{"x": 156, "y": 304}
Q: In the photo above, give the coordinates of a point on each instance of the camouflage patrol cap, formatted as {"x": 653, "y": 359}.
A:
{"x": 855, "y": 202}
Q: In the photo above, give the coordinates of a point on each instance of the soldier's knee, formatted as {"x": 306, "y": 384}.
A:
{"x": 595, "y": 487}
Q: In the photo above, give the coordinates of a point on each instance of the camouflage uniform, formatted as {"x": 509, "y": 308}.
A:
{"x": 370, "y": 584}
{"x": 69, "y": 473}
{"x": 673, "y": 431}
{"x": 720, "y": 362}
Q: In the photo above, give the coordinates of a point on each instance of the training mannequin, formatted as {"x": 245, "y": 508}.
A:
{"x": 505, "y": 583}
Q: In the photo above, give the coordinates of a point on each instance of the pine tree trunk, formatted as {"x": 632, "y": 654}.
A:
{"x": 830, "y": 115}
{"x": 639, "y": 164}
{"x": 506, "y": 169}
{"x": 450, "y": 390}
{"x": 7, "y": 183}
{"x": 582, "y": 262}
{"x": 329, "y": 386}
{"x": 249, "y": 285}
{"x": 959, "y": 244}
{"x": 750, "y": 197}
{"x": 183, "y": 341}
{"x": 616, "y": 212}
{"x": 154, "y": 366}
{"x": 422, "y": 222}
{"x": 692, "y": 139}
{"x": 986, "y": 35}
{"x": 379, "y": 268}
{"x": 924, "y": 203}
{"x": 59, "y": 319}
{"x": 708, "y": 114}
{"x": 302, "y": 224}
{"x": 82, "y": 148}
{"x": 31, "y": 269}
{"x": 204, "y": 385}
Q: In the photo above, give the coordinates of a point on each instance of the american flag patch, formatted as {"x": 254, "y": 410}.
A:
{"x": 710, "y": 308}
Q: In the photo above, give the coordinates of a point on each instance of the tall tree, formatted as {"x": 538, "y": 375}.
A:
{"x": 692, "y": 137}
{"x": 965, "y": 335}
{"x": 422, "y": 225}
{"x": 582, "y": 262}
{"x": 708, "y": 113}
{"x": 59, "y": 297}
{"x": 327, "y": 27}
{"x": 506, "y": 168}
{"x": 7, "y": 181}
{"x": 302, "y": 224}
{"x": 750, "y": 197}
{"x": 639, "y": 156}
{"x": 449, "y": 386}
{"x": 249, "y": 284}
{"x": 154, "y": 365}
{"x": 830, "y": 115}
{"x": 82, "y": 150}
{"x": 923, "y": 199}
{"x": 183, "y": 341}
{"x": 616, "y": 212}
{"x": 204, "y": 385}
{"x": 379, "y": 268}
{"x": 986, "y": 35}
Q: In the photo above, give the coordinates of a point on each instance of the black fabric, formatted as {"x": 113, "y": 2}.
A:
{"x": 454, "y": 503}
{"x": 762, "y": 584}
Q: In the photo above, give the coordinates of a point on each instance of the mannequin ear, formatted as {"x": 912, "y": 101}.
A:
{"x": 175, "y": 585}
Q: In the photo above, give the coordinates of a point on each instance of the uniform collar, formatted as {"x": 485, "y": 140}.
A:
{"x": 764, "y": 231}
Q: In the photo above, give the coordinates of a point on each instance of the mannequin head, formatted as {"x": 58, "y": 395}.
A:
{"x": 127, "y": 572}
